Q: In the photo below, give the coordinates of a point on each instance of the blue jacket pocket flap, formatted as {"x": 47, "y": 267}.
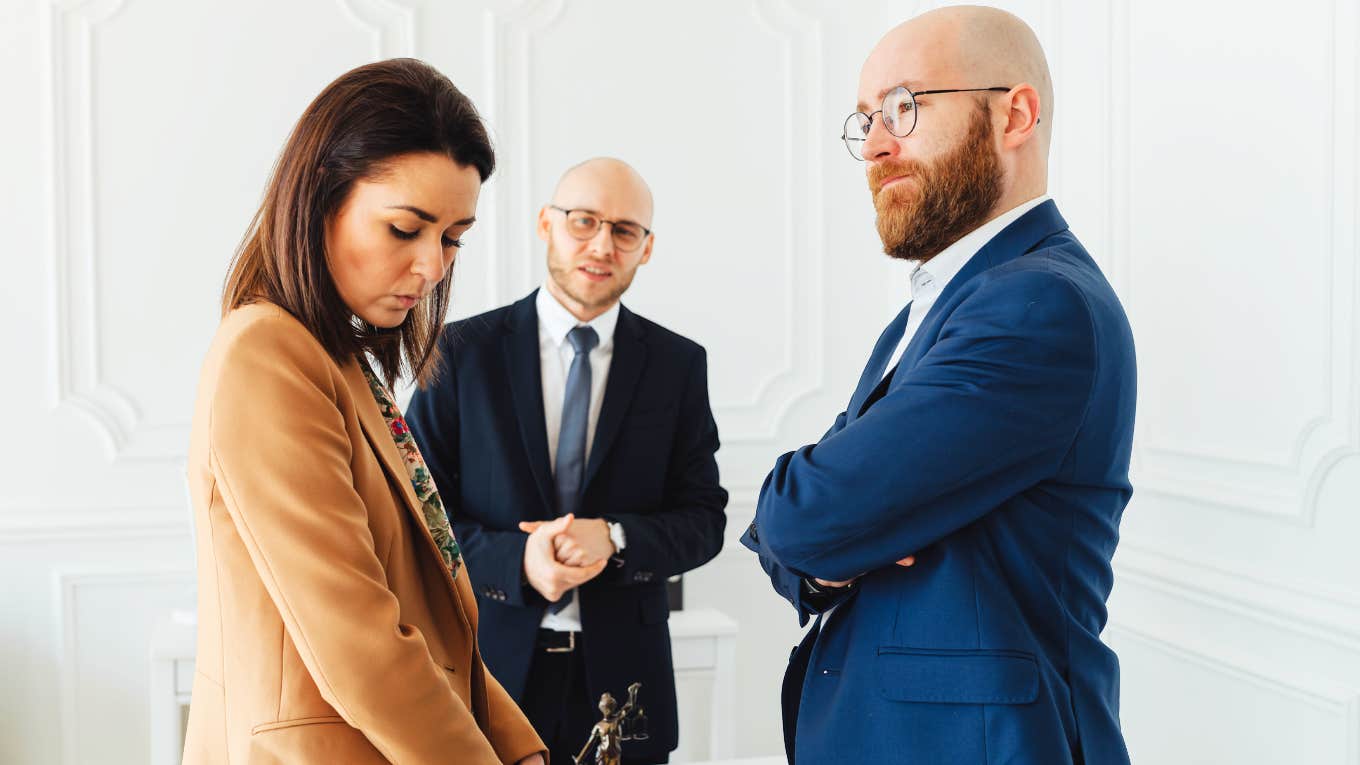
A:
{"x": 971, "y": 676}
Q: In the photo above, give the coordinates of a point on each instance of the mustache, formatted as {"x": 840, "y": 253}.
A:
{"x": 884, "y": 171}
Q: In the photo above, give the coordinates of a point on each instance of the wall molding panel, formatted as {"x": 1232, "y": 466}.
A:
{"x": 1336, "y": 701}
{"x": 511, "y": 40}
{"x": 1282, "y": 489}
{"x": 76, "y": 254}
{"x": 70, "y": 586}
{"x": 1314, "y": 614}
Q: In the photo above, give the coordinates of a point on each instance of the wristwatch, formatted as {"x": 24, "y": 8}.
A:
{"x": 826, "y": 590}
{"x": 616, "y": 536}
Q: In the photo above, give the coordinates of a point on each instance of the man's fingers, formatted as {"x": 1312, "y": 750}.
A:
{"x": 581, "y": 574}
{"x": 910, "y": 560}
{"x": 556, "y": 526}
{"x": 529, "y": 527}
{"x": 825, "y": 583}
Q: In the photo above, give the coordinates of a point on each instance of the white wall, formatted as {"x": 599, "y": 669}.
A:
{"x": 1206, "y": 153}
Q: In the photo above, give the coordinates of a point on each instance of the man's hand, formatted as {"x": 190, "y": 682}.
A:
{"x": 545, "y": 574}
{"x": 910, "y": 560}
{"x": 585, "y": 543}
{"x": 533, "y": 759}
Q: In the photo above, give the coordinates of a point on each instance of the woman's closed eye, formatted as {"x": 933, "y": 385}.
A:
{"x": 401, "y": 233}
{"x": 405, "y": 235}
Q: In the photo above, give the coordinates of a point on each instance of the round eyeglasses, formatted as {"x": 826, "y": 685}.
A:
{"x": 585, "y": 224}
{"x": 898, "y": 115}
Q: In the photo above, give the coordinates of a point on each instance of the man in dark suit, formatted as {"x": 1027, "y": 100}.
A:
{"x": 989, "y": 438}
{"x": 574, "y": 445}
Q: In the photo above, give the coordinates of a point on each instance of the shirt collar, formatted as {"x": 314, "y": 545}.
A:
{"x": 933, "y": 275}
{"x": 555, "y": 321}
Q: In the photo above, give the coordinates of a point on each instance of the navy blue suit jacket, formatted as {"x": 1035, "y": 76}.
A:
{"x": 998, "y": 454}
{"x": 651, "y": 469}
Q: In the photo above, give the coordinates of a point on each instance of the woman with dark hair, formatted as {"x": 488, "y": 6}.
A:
{"x": 335, "y": 624}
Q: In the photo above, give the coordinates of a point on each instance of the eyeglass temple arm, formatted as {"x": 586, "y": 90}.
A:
{"x": 997, "y": 89}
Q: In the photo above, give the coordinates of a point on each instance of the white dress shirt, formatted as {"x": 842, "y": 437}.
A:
{"x": 555, "y": 355}
{"x": 929, "y": 279}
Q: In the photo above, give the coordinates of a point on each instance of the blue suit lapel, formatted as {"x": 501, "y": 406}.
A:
{"x": 878, "y": 362}
{"x": 522, "y": 364}
{"x": 1020, "y": 237}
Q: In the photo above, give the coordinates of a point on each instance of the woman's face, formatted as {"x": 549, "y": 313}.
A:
{"x": 396, "y": 235}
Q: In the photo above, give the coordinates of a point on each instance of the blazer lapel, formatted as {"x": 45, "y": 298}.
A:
{"x": 380, "y": 438}
{"x": 625, "y": 369}
{"x": 870, "y": 379}
{"x": 1022, "y": 236}
{"x": 375, "y": 429}
{"x": 522, "y": 364}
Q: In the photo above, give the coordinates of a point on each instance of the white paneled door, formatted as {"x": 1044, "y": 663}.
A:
{"x": 1206, "y": 154}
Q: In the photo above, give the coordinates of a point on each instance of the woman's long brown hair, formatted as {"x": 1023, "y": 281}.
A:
{"x": 365, "y": 118}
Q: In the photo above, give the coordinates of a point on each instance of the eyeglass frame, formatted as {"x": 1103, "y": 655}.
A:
{"x": 646, "y": 232}
{"x": 869, "y": 118}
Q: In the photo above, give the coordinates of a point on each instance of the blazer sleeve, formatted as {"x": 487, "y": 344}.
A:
{"x": 494, "y": 557}
{"x": 513, "y": 737}
{"x": 281, "y": 457}
{"x": 992, "y": 408}
{"x": 688, "y": 530}
{"x": 788, "y": 584}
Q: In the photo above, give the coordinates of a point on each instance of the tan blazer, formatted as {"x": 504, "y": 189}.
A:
{"x": 329, "y": 629}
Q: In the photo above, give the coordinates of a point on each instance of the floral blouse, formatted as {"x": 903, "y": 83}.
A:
{"x": 431, "y": 506}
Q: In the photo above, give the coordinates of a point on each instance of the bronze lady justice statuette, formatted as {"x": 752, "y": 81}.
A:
{"x": 608, "y": 735}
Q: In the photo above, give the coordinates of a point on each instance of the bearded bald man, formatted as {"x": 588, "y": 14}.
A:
{"x": 988, "y": 438}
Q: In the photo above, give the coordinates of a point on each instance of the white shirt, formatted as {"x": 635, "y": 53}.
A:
{"x": 929, "y": 279}
{"x": 555, "y": 355}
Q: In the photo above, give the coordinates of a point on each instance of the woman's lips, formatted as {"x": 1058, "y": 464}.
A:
{"x": 407, "y": 301}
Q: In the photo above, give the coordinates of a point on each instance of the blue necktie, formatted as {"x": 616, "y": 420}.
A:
{"x": 571, "y": 443}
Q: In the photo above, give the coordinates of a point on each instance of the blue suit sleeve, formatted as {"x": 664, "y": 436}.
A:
{"x": 787, "y": 583}
{"x": 990, "y": 410}
{"x": 494, "y": 557}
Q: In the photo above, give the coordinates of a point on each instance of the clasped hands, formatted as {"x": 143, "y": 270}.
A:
{"x": 565, "y": 553}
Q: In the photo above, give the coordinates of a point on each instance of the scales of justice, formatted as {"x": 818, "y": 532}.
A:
{"x": 617, "y": 726}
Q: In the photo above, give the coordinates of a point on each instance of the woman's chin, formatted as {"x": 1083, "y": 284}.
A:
{"x": 386, "y": 318}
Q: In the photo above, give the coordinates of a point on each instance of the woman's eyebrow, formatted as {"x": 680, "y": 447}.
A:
{"x": 428, "y": 218}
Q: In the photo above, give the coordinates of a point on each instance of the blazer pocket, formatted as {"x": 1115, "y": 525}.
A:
{"x": 969, "y": 676}
{"x": 326, "y": 720}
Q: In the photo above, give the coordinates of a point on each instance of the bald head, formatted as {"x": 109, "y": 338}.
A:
{"x": 964, "y": 46}
{"x": 586, "y": 183}
{"x": 598, "y": 233}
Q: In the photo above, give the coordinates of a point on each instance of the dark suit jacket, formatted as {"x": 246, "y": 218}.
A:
{"x": 998, "y": 453}
{"x": 651, "y": 469}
